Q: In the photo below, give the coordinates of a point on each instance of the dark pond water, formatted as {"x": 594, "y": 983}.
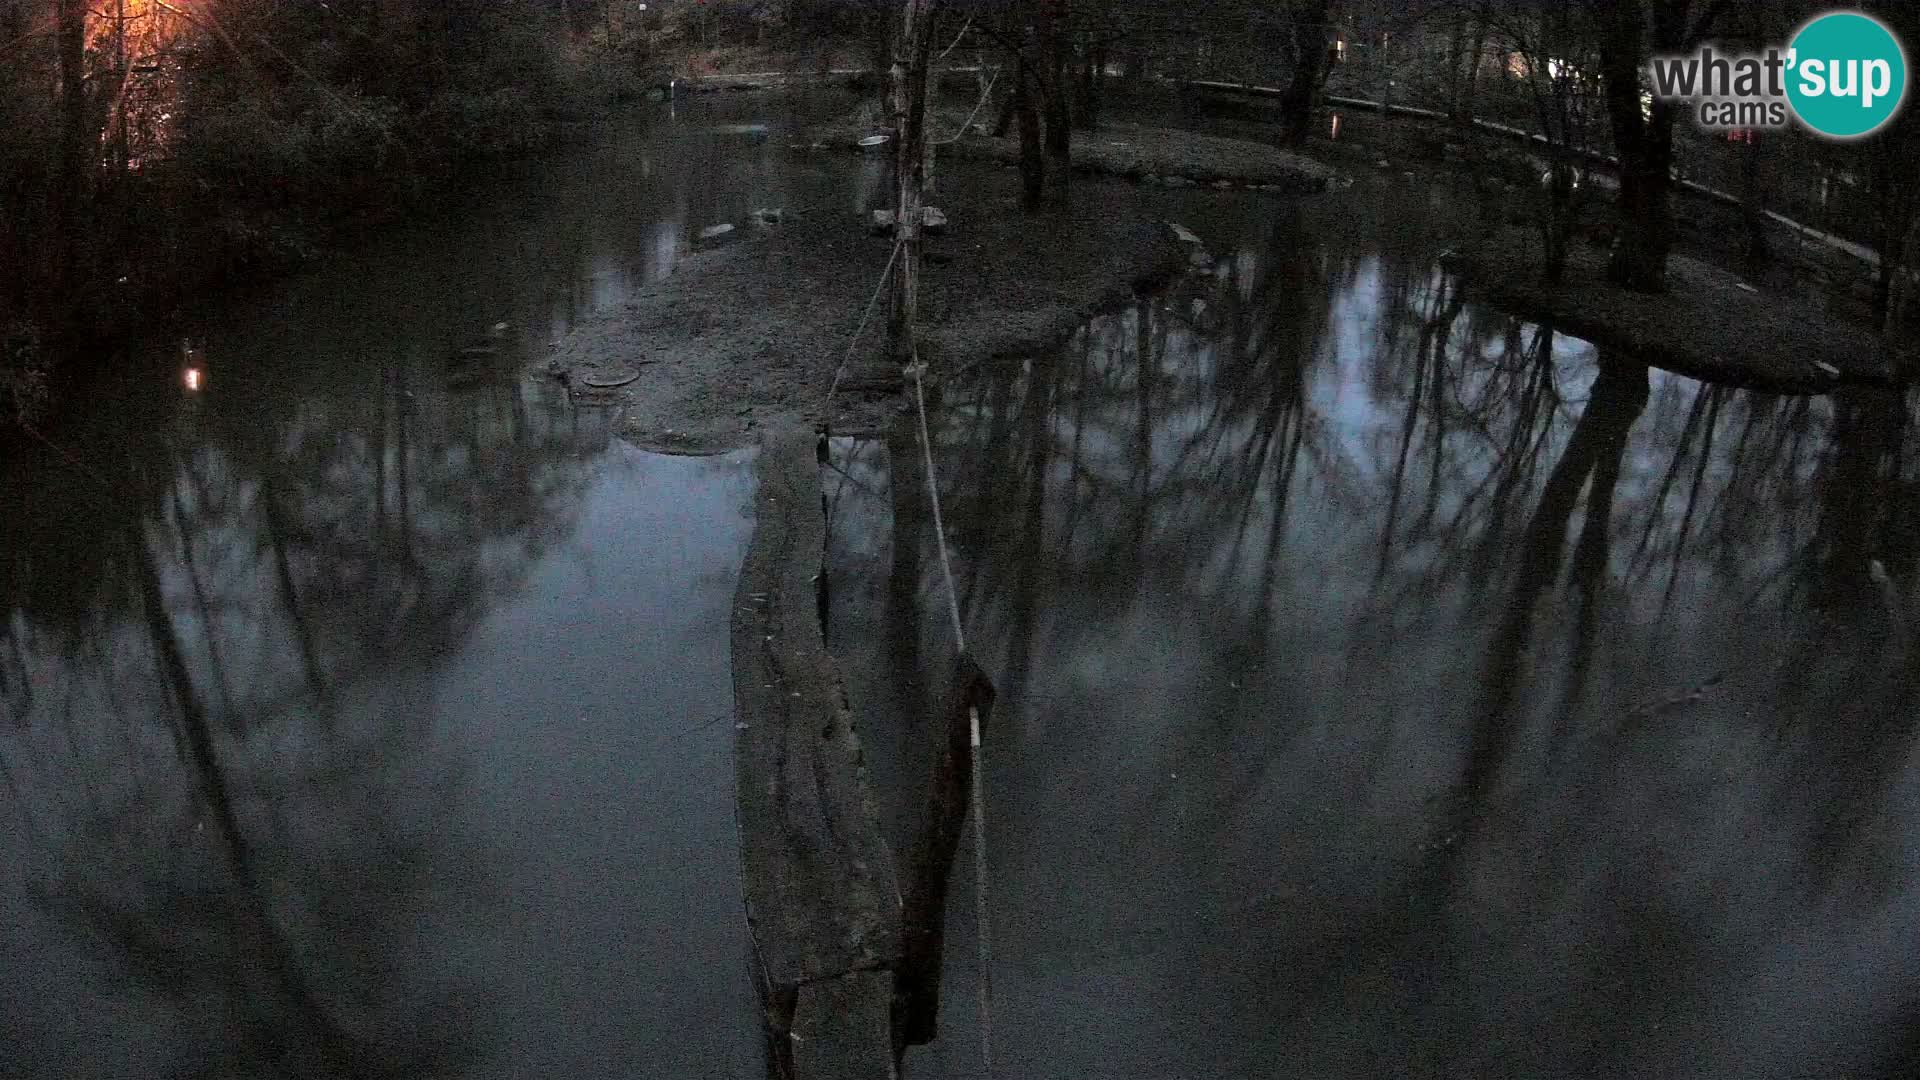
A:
{"x": 1389, "y": 687}
{"x": 364, "y": 716}
{"x": 1386, "y": 687}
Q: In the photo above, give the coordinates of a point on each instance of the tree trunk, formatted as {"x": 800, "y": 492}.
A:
{"x": 1558, "y": 227}
{"x": 1644, "y": 145}
{"x": 1383, "y": 77}
{"x": 1456, "y": 46}
{"x": 1895, "y": 248}
{"x": 1054, "y": 86}
{"x": 1134, "y": 63}
{"x": 1004, "y": 123}
{"x": 1900, "y": 283}
{"x": 1096, "y": 87}
{"x": 1753, "y": 206}
{"x": 909, "y": 83}
{"x": 70, "y": 173}
{"x": 1646, "y": 214}
{"x": 1088, "y": 71}
{"x": 1033, "y": 166}
{"x": 1752, "y": 195}
{"x": 1310, "y": 62}
{"x": 1471, "y": 95}
{"x": 882, "y": 45}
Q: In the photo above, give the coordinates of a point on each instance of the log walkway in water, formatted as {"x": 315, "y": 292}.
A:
{"x": 823, "y": 904}
{"x": 849, "y": 977}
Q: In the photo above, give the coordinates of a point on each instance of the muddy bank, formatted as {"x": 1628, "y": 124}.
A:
{"x": 1142, "y": 152}
{"x": 751, "y": 330}
{"x": 1710, "y": 324}
{"x": 1156, "y": 154}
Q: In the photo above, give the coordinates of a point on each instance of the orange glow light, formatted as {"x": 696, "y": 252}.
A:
{"x": 194, "y": 379}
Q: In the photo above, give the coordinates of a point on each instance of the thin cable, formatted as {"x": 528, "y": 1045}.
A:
{"x": 957, "y": 39}
{"x": 984, "y": 95}
{"x": 939, "y": 527}
{"x": 861, "y": 329}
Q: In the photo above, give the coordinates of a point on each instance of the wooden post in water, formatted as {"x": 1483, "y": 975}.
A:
{"x": 916, "y": 1002}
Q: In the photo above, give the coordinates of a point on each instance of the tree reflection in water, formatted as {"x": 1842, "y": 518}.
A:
{"x": 216, "y": 749}
{"x": 1383, "y": 677}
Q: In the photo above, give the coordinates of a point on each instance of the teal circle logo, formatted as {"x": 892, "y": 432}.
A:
{"x": 1846, "y": 75}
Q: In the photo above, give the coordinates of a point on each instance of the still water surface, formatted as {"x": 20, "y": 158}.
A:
{"x": 1389, "y": 687}
{"x": 364, "y": 713}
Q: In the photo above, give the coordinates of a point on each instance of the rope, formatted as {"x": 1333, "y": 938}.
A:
{"x": 973, "y": 719}
{"x": 957, "y": 39}
{"x": 968, "y": 122}
{"x": 933, "y": 495}
{"x": 981, "y": 913}
{"x": 862, "y": 328}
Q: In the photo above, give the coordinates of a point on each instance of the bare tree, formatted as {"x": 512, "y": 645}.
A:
{"x": 70, "y": 176}
{"x": 1309, "y": 40}
{"x": 1548, "y": 47}
{"x": 913, "y": 165}
{"x": 1630, "y": 31}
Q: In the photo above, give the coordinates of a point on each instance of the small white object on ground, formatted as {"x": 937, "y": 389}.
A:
{"x": 712, "y": 231}
{"x": 1744, "y": 287}
{"x": 1826, "y": 367}
{"x": 608, "y": 382}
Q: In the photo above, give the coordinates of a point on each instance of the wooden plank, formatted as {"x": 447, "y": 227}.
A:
{"x": 821, "y": 895}
{"x": 949, "y": 794}
{"x": 842, "y": 1028}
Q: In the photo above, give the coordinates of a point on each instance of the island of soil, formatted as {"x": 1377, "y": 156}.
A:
{"x": 755, "y": 323}
{"x": 1148, "y": 154}
{"x": 1709, "y": 324}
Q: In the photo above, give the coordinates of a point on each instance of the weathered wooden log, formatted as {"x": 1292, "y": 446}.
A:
{"x": 822, "y": 900}
{"x": 840, "y": 1028}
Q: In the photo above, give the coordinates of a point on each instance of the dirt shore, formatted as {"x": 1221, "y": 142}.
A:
{"x": 1709, "y": 324}
{"x": 1146, "y": 153}
{"x": 751, "y": 328}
